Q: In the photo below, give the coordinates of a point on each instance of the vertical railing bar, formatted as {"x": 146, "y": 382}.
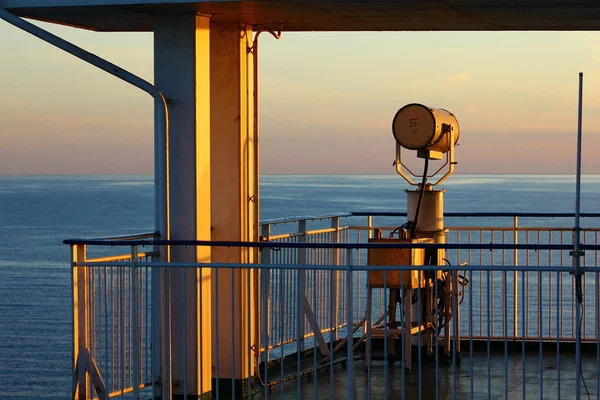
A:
{"x": 265, "y": 258}
{"x": 597, "y": 329}
{"x": 404, "y": 324}
{"x": 114, "y": 311}
{"x": 505, "y": 327}
{"x": 470, "y": 325}
{"x": 316, "y": 317}
{"x": 299, "y": 332}
{"x": 489, "y": 328}
{"x": 584, "y": 309}
{"x": 332, "y": 289}
{"x": 516, "y": 279}
{"x": 122, "y": 330}
{"x": 504, "y": 292}
{"x": 90, "y": 326}
{"x": 217, "y": 272}
{"x": 74, "y": 317}
{"x": 185, "y": 330}
{"x": 550, "y": 287}
{"x": 481, "y": 285}
{"x": 301, "y": 276}
{"x": 540, "y": 328}
{"x": 526, "y": 330}
{"x": 130, "y": 318}
{"x": 437, "y": 330}
{"x": 232, "y": 334}
{"x": 250, "y": 273}
{"x": 523, "y": 332}
{"x": 561, "y": 285}
{"x": 491, "y": 284}
{"x": 385, "y": 338}
{"x": 135, "y": 333}
{"x": 350, "y": 341}
{"x": 106, "y": 363}
{"x": 597, "y": 313}
{"x": 419, "y": 343}
{"x": 281, "y": 276}
{"x": 100, "y": 303}
{"x": 540, "y": 310}
{"x": 147, "y": 323}
{"x": 558, "y": 328}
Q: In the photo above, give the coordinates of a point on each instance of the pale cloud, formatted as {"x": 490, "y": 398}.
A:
{"x": 458, "y": 78}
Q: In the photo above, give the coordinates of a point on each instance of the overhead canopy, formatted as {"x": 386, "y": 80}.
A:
{"x": 323, "y": 15}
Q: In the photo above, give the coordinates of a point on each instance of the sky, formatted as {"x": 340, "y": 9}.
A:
{"x": 326, "y": 101}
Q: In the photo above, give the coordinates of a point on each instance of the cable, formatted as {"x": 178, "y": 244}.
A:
{"x": 581, "y": 361}
{"x": 413, "y": 232}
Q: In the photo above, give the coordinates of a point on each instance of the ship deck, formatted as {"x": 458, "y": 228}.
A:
{"x": 514, "y": 374}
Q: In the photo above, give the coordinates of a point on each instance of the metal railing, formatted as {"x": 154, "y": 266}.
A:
{"x": 112, "y": 318}
{"x": 517, "y": 312}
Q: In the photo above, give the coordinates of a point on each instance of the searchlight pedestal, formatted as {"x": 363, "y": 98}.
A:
{"x": 433, "y": 133}
{"x": 429, "y": 299}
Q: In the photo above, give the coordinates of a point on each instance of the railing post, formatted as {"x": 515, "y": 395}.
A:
{"x": 80, "y": 323}
{"x": 350, "y": 327}
{"x": 515, "y": 276}
{"x": 265, "y": 258}
{"x": 302, "y": 238}
{"x": 136, "y": 321}
{"x": 335, "y": 259}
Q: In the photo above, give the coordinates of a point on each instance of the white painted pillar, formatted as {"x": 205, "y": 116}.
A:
{"x": 182, "y": 74}
{"x": 233, "y": 188}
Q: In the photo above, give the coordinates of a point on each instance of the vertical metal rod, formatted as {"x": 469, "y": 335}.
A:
{"x": 113, "y": 316}
{"x": 420, "y": 371}
{"x": 505, "y": 300}
{"x": 122, "y": 331}
{"x": 437, "y": 329}
{"x": 540, "y": 309}
{"x": 576, "y": 250}
{"x": 489, "y": 328}
{"x": 299, "y": 332}
{"x": 470, "y": 325}
{"x": 350, "y": 326}
{"x": 523, "y": 334}
{"x": 233, "y": 330}
{"x": 597, "y": 327}
{"x": 335, "y": 223}
{"x": 385, "y": 336}
{"x": 314, "y": 299}
{"x": 216, "y": 358}
{"x": 106, "y": 367}
{"x": 185, "y": 330}
{"x": 281, "y": 281}
{"x": 302, "y": 259}
{"x": 265, "y": 258}
{"x": 136, "y": 319}
{"x": 558, "y": 330}
{"x": 333, "y": 321}
{"x": 249, "y": 314}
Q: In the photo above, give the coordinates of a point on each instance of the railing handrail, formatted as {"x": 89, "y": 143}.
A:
{"x": 331, "y": 245}
{"x": 337, "y": 267}
{"x": 132, "y": 236}
{"x": 318, "y": 217}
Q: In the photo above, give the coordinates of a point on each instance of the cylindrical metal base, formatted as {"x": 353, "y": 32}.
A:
{"x": 431, "y": 212}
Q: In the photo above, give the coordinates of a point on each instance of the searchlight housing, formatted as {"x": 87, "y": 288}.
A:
{"x": 432, "y": 132}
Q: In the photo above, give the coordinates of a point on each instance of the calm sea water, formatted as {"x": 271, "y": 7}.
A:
{"x": 38, "y": 212}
